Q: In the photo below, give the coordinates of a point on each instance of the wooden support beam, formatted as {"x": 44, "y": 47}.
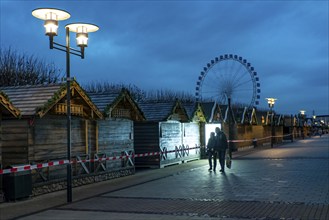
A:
{"x": 86, "y": 136}
{"x": 96, "y": 136}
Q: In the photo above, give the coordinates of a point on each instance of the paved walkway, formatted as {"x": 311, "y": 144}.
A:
{"x": 286, "y": 182}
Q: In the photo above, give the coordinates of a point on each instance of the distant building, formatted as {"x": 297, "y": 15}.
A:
{"x": 322, "y": 119}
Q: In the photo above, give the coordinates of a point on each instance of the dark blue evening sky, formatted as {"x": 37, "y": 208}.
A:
{"x": 165, "y": 44}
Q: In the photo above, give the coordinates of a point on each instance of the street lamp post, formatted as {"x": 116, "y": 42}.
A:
{"x": 292, "y": 127}
{"x": 271, "y": 102}
{"x": 230, "y": 126}
{"x": 51, "y": 16}
{"x": 231, "y": 122}
{"x": 301, "y": 122}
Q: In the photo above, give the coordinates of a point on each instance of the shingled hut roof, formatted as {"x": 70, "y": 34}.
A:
{"x": 194, "y": 111}
{"x": 107, "y": 101}
{"x": 208, "y": 109}
{"x": 103, "y": 100}
{"x": 30, "y": 97}
{"x": 163, "y": 110}
{"x": 190, "y": 108}
{"x": 7, "y": 107}
{"x": 39, "y": 99}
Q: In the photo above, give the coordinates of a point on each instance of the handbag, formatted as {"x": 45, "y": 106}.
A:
{"x": 228, "y": 159}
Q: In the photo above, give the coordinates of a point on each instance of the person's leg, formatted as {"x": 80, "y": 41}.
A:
{"x": 209, "y": 159}
{"x": 215, "y": 159}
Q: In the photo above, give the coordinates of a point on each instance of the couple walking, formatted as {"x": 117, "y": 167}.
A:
{"x": 217, "y": 145}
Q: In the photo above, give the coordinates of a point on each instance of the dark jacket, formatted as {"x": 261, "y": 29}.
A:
{"x": 221, "y": 141}
{"x": 211, "y": 143}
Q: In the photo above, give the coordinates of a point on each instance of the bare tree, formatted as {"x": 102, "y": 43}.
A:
{"x": 169, "y": 95}
{"x": 100, "y": 87}
{"x": 17, "y": 69}
{"x": 139, "y": 94}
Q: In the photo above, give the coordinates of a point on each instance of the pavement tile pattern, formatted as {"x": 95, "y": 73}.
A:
{"x": 290, "y": 181}
{"x": 281, "y": 180}
{"x": 203, "y": 208}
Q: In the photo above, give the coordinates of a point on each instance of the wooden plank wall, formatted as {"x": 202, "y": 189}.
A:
{"x": 48, "y": 142}
{"x": 170, "y": 137}
{"x": 203, "y": 139}
{"x": 14, "y": 142}
{"x": 48, "y": 139}
{"x": 91, "y": 138}
{"x": 249, "y": 132}
{"x": 114, "y": 137}
{"x": 26, "y": 141}
{"x": 0, "y": 152}
{"x": 191, "y": 136}
{"x": 146, "y": 139}
{"x": 0, "y": 142}
{"x": 153, "y": 136}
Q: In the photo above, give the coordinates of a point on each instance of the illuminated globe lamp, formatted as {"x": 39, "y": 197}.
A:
{"x": 51, "y": 16}
{"x": 271, "y": 102}
{"x": 82, "y": 30}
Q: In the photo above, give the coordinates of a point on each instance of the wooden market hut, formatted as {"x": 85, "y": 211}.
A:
{"x": 40, "y": 134}
{"x": 289, "y": 127}
{"x": 262, "y": 117}
{"x": 278, "y": 127}
{"x": 246, "y": 116}
{"x": 214, "y": 117}
{"x": 163, "y": 132}
{"x": 194, "y": 111}
{"x": 213, "y": 112}
{"x": 220, "y": 116}
{"x": 194, "y": 129}
{"x": 248, "y": 129}
{"x": 115, "y": 131}
{"x": 7, "y": 110}
{"x": 252, "y": 115}
{"x": 239, "y": 115}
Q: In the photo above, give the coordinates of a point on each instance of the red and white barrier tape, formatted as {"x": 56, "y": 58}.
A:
{"x": 32, "y": 167}
{"x": 257, "y": 139}
{"x": 62, "y": 162}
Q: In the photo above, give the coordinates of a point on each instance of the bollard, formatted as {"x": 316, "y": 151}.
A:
{"x": 254, "y": 142}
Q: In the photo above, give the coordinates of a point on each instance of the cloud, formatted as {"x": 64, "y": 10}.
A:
{"x": 165, "y": 44}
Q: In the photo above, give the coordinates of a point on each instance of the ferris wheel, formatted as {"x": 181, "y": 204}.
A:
{"x": 229, "y": 76}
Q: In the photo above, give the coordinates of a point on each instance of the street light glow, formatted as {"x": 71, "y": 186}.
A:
{"x": 51, "y": 16}
{"x": 82, "y": 30}
{"x": 271, "y": 102}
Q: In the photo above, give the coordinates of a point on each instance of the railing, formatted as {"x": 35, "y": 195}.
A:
{"x": 61, "y": 108}
{"x": 121, "y": 113}
{"x": 84, "y": 164}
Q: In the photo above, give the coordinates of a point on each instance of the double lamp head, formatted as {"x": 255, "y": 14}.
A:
{"x": 51, "y": 16}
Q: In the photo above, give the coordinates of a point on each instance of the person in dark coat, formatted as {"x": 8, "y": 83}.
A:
{"x": 221, "y": 147}
{"x": 212, "y": 154}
